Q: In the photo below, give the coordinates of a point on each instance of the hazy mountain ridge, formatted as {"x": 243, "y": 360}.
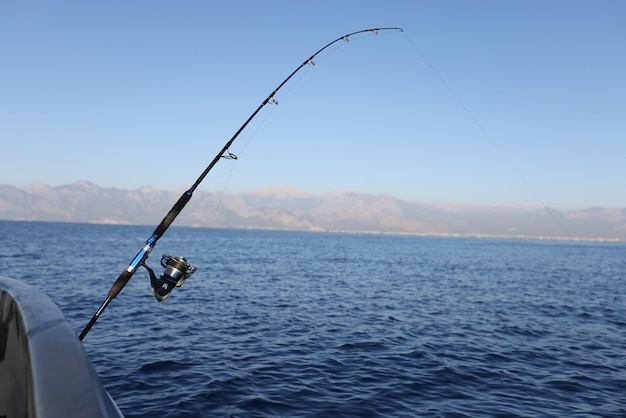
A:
{"x": 290, "y": 209}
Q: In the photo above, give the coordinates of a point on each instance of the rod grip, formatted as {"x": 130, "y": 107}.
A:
{"x": 172, "y": 214}
{"x": 120, "y": 283}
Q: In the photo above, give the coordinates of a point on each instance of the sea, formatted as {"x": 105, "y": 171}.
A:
{"x": 312, "y": 324}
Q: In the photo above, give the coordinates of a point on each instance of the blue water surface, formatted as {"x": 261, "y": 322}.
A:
{"x": 296, "y": 324}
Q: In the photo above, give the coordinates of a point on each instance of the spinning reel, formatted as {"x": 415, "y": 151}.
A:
{"x": 177, "y": 270}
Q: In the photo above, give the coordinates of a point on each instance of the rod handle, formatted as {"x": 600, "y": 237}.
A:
{"x": 119, "y": 284}
{"x": 172, "y": 214}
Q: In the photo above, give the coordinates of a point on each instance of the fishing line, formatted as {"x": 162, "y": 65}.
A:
{"x": 235, "y": 159}
{"x": 486, "y": 134}
{"x": 232, "y": 166}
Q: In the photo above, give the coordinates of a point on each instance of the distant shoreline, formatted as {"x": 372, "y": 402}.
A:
{"x": 409, "y": 234}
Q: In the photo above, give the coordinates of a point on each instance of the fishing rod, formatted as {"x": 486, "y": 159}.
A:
{"x": 177, "y": 270}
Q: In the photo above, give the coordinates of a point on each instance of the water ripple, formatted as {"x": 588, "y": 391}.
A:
{"x": 278, "y": 324}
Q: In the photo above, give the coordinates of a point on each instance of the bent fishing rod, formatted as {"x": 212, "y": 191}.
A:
{"x": 177, "y": 270}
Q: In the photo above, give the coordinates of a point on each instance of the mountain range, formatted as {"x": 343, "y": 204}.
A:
{"x": 286, "y": 208}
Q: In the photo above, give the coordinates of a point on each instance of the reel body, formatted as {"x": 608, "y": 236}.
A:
{"x": 177, "y": 270}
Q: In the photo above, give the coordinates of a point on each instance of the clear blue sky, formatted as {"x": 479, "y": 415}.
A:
{"x": 132, "y": 93}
